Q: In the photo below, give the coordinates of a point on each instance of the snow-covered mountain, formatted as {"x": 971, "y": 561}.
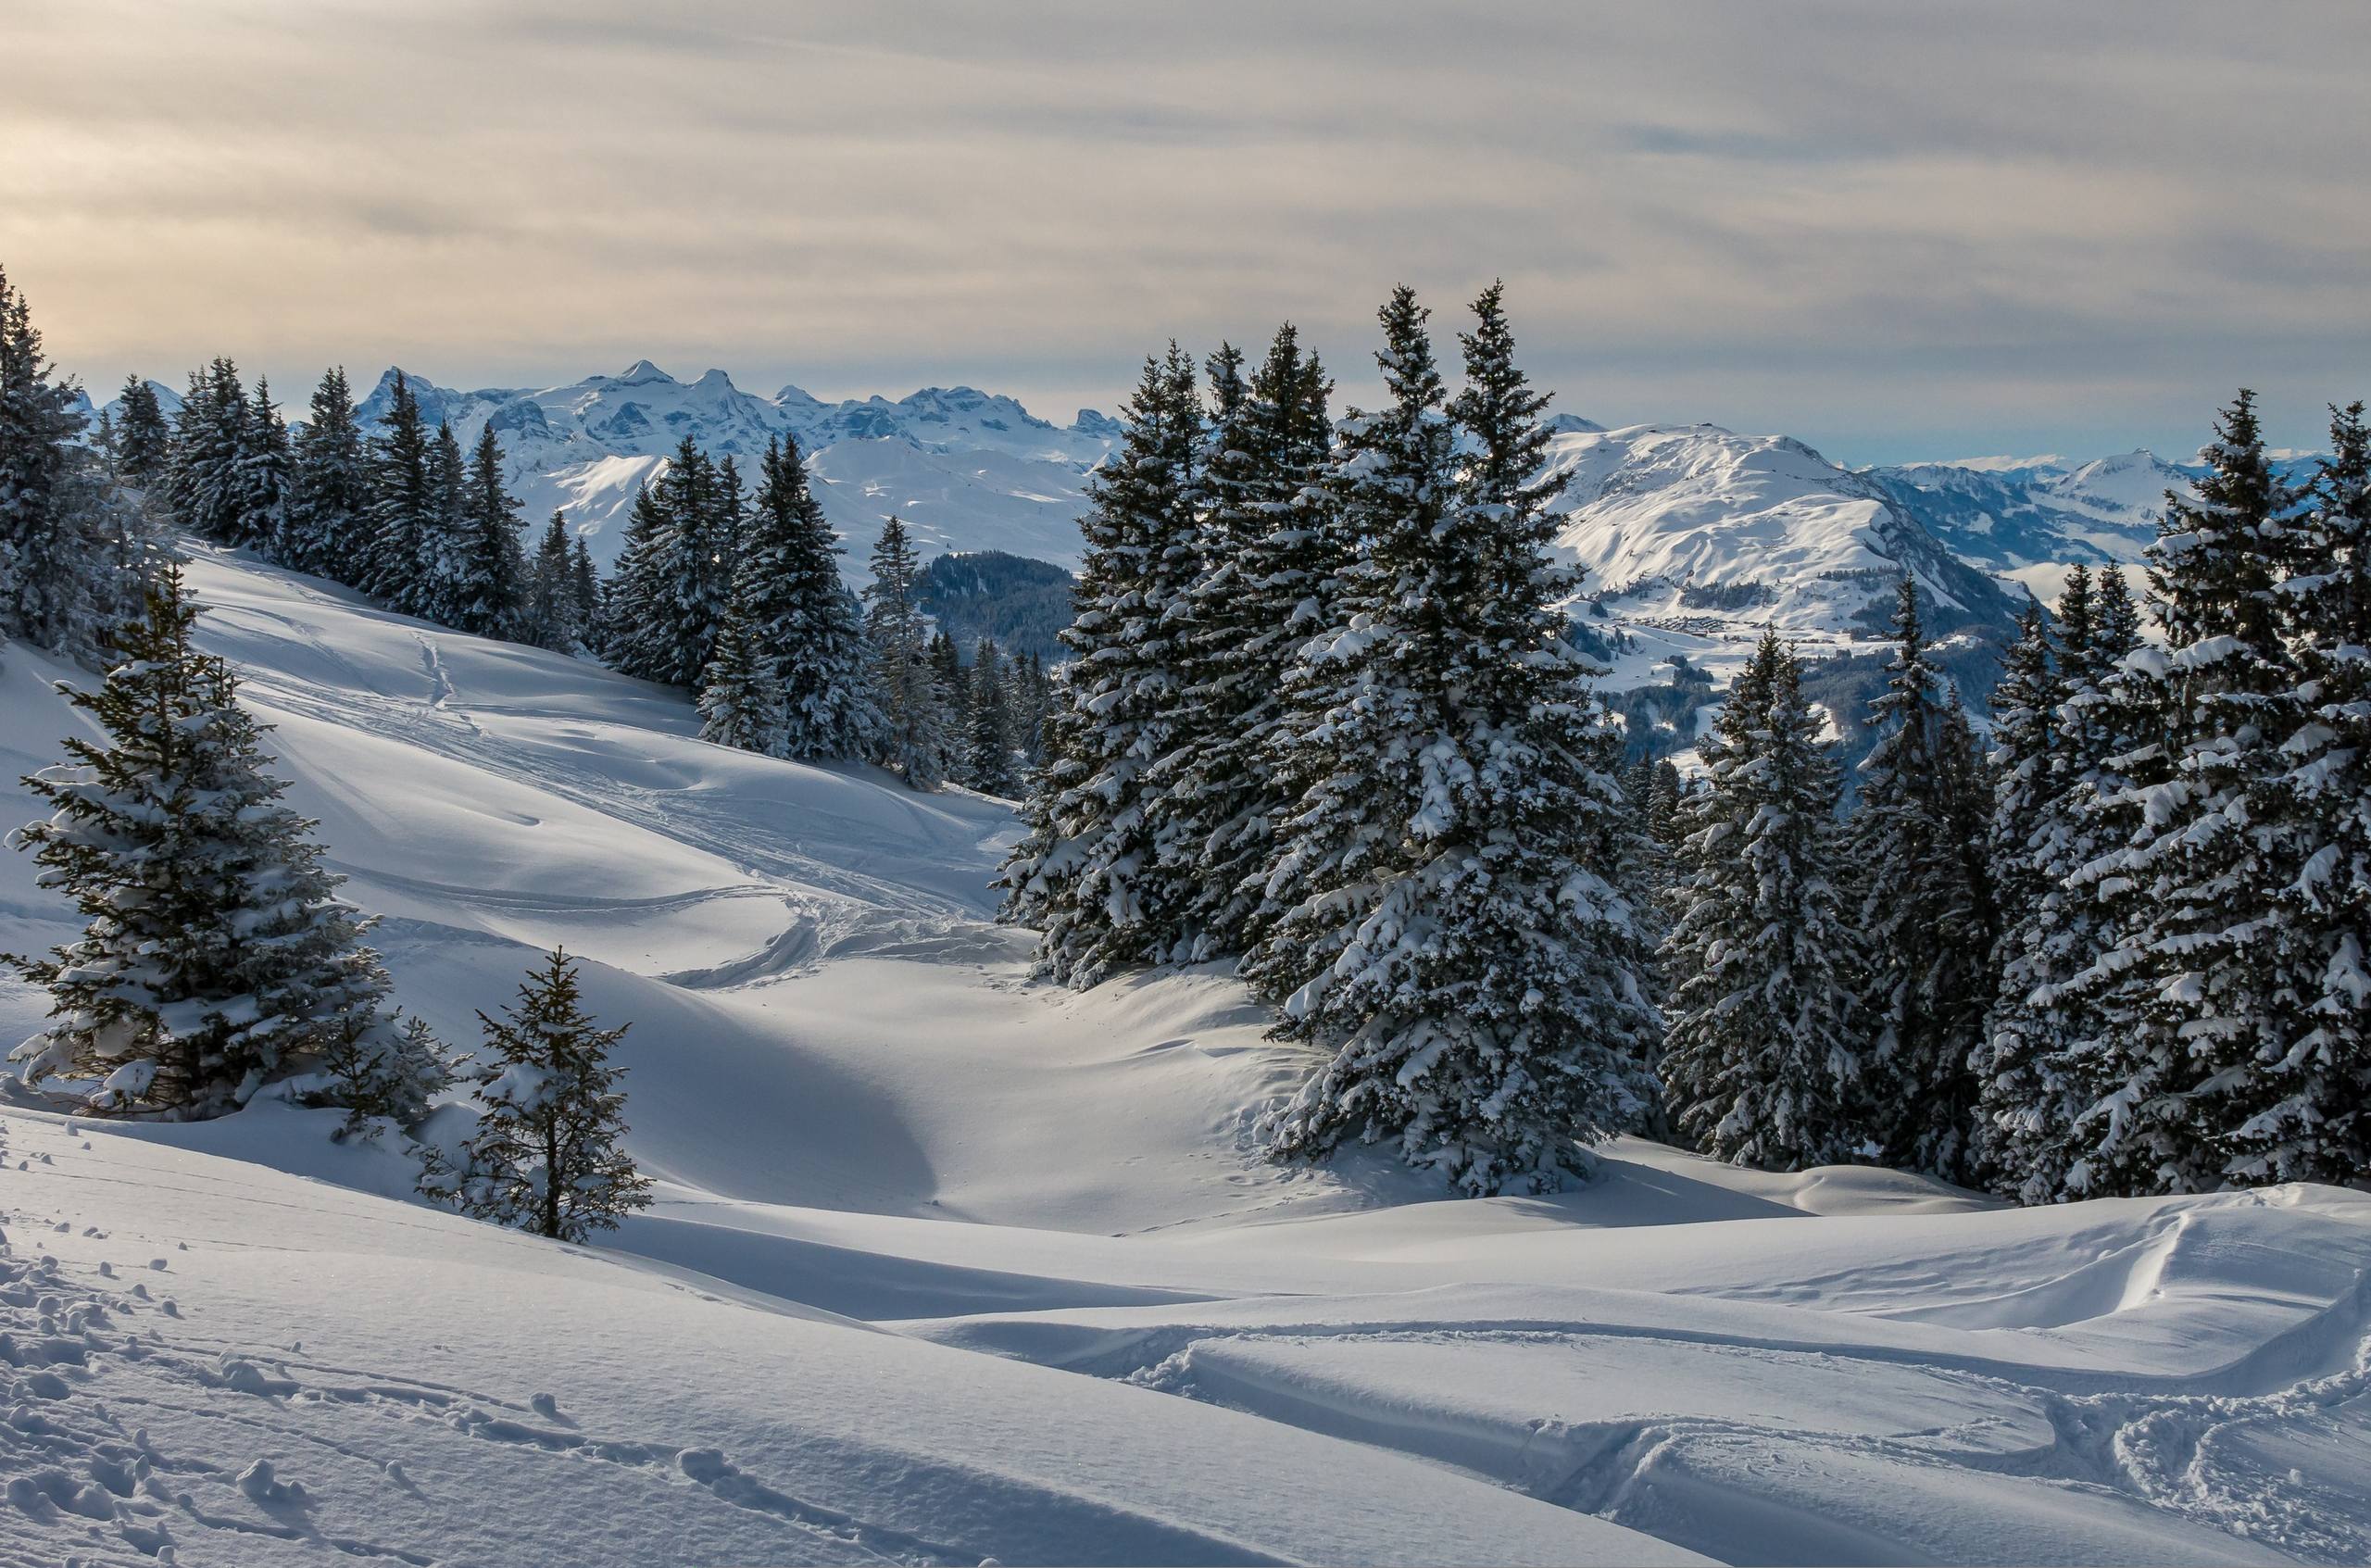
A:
{"x": 966, "y": 470}
{"x": 1692, "y": 525}
{"x": 944, "y": 1266}
{"x": 2005, "y": 518}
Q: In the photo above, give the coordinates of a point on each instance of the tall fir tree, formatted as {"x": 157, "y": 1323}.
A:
{"x": 954, "y": 690}
{"x": 73, "y": 554}
{"x": 442, "y": 591}
{"x": 803, "y": 624}
{"x": 216, "y": 954}
{"x": 1762, "y": 1057}
{"x": 1086, "y": 873}
{"x": 989, "y": 749}
{"x": 1266, "y": 565}
{"x": 915, "y": 741}
{"x": 404, "y": 520}
{"x": 491, "y": 586}
{"x": 2202, "y": 999}
{"x": 636, "y": 637}
{"x": 206, "y": 488}
{"x": 552, "y": 615}
{"x": 1927, "y": 917}
{"x": 266, "y": 474}
{"x": 585, "y": 580}
{"x": 327, "y": 530}
{"x": 1455, "y": 942}
{"x": 143, "y": 441}
{"x": 548, "y": 1153}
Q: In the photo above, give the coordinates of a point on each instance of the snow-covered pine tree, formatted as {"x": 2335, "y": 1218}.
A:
{"x": 328, "y": 528}
{"x": 2315, "y": 1123}
{"x": 143, "y": 441}
{"x": 1928, "y": 917}
{"x": 216, "y": 954}
{"x": 987, "y": 748}
{"x": 696, "y": 581}
{"x": 73, "y": 554}
{"x": 551, "y": 613}
{"x": 444, "y": 590}
{"x": 740, "y": 702}
{"x": 1455, "y": 942}
{"x": 2202, "y": 1000}
{"x": 804, "y": 625}
{"x": 1761, "y": 1062}
{"x": 915, "y": 741}
{"x": 1266, "y": 563}
{"x": 548, "y": 1153}
{"x": 2018, "y": 1113}
{"x": 1084, "y": 875}
{"x": 266, "y": 476}
{"x": 209, "y": 440}
{"x": 490, "y": 588}
{"x": 402, "y": 522}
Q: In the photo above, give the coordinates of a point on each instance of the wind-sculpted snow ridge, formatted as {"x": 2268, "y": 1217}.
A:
{"x": 948, "y": 1265}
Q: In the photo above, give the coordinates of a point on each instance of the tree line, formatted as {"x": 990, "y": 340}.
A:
{"x": 1323, "y": 717}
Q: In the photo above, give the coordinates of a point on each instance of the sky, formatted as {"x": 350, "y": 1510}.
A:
{"x": 1896, "y": 231}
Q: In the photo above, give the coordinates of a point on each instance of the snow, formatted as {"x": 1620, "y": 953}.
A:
{"x": 946, "y": 1265}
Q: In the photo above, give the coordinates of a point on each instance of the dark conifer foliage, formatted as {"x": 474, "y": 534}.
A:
{"x": 328, "y": 517}
{"x": 1454, "y": 936}
{"x": 1087, "y": 874}
{"x": 217, "y": 955}
{"x": 1926, "y": 913}
{"x": 74, "y": 553}
{"x": 548, "y": 1154}
{"x": 143, "y": 441}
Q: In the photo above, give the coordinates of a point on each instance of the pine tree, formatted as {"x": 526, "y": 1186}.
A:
{"x": 988, "y": 751}
{"x": 803, "y": 624}
{"x": 2203, "y": 1000}
{"x": 265, "y": 473}
{"x": 73, "y": 554}
{"x": 216, "y": 955}
{"x": 329, "y": 516}
{"x": 403, "y": 517}
{"x": 442, "y": 590}
{"x": 1265, "y": 562}
{"x": 208, "y": 489}
{"x": 915, "y": 741}
{"x": 143, "y": 443}
{"x": 2311, "y": 1115}
{"x": 954, "y": 688}
{"x": 635, "y": 637}
{"x": 1086, "y": 873}
{"x": 740, "y": 701}
{"x": 548, "y": 1155}
{"x": 584, "y": 579}
{"x": 551, "y": 613}
{"x": 1455, "y": 941}
{"x": 491, "y": 588}
{"x": 1761, "y": 1061}
{"x": 1927, "y": 916}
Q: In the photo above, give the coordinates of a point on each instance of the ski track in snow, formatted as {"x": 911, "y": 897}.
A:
{"x": 950, "y": 1265}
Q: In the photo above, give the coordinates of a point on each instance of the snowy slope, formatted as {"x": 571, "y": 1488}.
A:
{"x": 948, "y": 1265}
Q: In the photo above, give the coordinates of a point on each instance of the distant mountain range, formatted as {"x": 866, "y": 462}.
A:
{"x": 1693, "y": 537}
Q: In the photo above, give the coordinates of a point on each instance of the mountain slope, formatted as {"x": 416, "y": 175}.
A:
{"x": 946, "y": 1264}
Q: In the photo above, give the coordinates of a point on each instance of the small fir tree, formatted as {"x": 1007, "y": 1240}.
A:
{"x": 914, "y": 740}
{"x": 548, "y": 1155}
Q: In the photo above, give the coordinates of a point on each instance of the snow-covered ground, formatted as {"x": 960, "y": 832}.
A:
{"x": 946, "y": 1265}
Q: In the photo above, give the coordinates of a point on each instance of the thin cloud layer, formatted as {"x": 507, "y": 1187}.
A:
{"x": 1897, "y": 231}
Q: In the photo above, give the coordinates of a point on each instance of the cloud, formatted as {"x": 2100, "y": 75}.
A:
{"x": 1883, "y": 226}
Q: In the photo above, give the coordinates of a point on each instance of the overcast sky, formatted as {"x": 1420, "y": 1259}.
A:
{"x": 1897, "y": 231}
